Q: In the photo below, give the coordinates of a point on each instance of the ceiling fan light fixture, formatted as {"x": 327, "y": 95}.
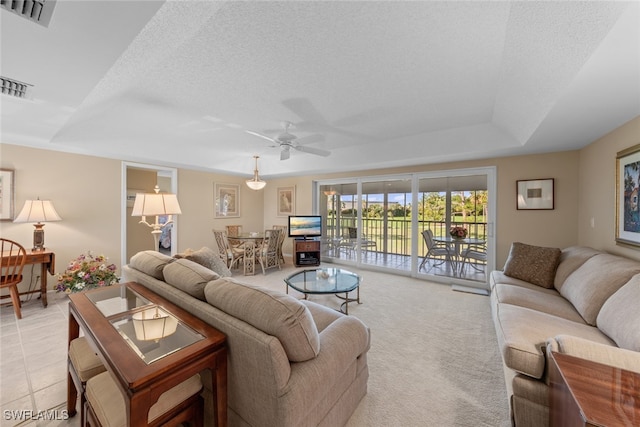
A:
{"x": 256, "y": 183}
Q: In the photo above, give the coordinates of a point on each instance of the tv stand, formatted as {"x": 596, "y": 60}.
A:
{"x": 306, "y": 253}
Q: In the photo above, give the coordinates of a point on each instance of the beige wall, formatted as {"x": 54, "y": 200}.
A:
{"x": 87, "y": 191}
{"x": 597, "y": 191}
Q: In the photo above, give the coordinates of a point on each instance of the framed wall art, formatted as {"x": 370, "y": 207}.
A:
{"x": 286, "y": 201}
{"x": 535, "y": 194}
{"x": 7, "y": 196}
{"x": 627, "y": 207}
{"x": 226, "y": 200}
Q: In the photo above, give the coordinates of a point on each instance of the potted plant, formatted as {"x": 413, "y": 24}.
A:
{"x": 87, "y": 272}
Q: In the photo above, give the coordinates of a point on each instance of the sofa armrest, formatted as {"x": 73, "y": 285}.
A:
{"x": 596, "y": 352}
{"x": 341, "y": 343}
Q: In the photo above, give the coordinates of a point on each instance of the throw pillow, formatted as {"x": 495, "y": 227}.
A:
{"x": 619, "y": 317}
{"x": 210, "y": 259}
{"x": 189, "y": 277}
{"x": 151, "y": 263}
{"x": 533, "y": 264}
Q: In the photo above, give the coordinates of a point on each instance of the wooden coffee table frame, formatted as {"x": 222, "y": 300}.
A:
{"x": 141, "y": 383}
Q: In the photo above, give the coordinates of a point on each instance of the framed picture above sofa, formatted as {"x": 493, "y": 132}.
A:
{"x": 627, "y": 206}
{"x": 535, "y": 194}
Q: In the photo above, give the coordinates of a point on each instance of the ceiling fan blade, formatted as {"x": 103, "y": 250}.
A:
{"x": 285, "y": 153}
{"x": 261, "y": 136}
{"x": 311, "y": 150}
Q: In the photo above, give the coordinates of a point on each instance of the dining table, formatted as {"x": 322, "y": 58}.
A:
{"x": 456, "y": 245}
{"x": 251, "y": 243}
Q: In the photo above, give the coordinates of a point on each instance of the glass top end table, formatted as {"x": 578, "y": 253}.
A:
{"x": 327, "y": 281}
{"x": 150, "y": 330}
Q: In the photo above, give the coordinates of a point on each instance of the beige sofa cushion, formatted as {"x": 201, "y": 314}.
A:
{"x": 189, "y": 277}
{"x": 544, "y": 300}
{"x": 523, "y": 332}
{"x": 151, "y": 263}
{"x": 619, "y": 317}
{"x": 570, "y": 259}
{"x": 533, "y": 264}
{"x": 595, "y": 281}
{"x": 274, "y": 313}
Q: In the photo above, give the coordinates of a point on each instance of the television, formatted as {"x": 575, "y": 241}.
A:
{"x": 305, "y": 226}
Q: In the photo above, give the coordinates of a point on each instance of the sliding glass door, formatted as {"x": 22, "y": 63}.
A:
{"x": 380, "y": 222}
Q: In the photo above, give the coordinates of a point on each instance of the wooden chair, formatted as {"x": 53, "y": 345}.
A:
{"x": 14, "y": 257}
{"x": 268, "y": 252}
{"x": 435, "y": 251}
{"x": 229, "y": 255}
{"x": 283, "y": 235}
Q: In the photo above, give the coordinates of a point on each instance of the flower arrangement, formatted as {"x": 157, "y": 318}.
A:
{"x": 458, "y": 232}
{"x": 87, "y": 272}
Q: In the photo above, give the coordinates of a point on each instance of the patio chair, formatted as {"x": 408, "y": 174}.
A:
{"x": 435, "y": 251}
{"x": 478, "y": 253}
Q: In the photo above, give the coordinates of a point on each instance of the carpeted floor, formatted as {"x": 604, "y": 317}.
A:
{"x": 434, "y": 357}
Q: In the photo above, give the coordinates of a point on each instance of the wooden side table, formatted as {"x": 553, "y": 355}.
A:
{"x": 146, "y": 366}
{"x": 586, "y": 393}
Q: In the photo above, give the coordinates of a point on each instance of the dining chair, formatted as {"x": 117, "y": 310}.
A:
{"x": 229, "y": 255}
{"x": 435, "y": 251}
{"x": 268, "y": 253}
{"x": 234, "y": 231}
{"x": 283, "y": 235}
{"x": 14, "y": 257}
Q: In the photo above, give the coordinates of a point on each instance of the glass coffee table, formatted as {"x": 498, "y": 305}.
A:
{"x": 327, "y": 281}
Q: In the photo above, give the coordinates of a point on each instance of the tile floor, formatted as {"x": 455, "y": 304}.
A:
{"x": 33, "y": 357}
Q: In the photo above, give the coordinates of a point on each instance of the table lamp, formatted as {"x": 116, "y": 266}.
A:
{"x": 156, "y": 204}
{"x": 38, "y": 211}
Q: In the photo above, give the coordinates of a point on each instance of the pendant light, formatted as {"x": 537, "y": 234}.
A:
{"x": 256, "y": 183}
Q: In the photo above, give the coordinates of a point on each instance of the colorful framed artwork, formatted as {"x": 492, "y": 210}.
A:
{"x": 627, "y": 206}
{"x": 535, "y": 194}
{"x": 286, "y": 201}
{"x": 7, "y": 195}
{"x": 226, "y": 200}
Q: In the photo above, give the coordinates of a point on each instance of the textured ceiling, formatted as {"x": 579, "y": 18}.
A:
{"x": 378, "y": 84}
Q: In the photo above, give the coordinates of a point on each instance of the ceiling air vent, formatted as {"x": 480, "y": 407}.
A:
{"x": 38, "y": 11}
{"x": 15, "y": 88}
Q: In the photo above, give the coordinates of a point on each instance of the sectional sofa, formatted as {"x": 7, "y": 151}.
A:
{"x": 578, "y": 301}
{"x": 291, "y": 363}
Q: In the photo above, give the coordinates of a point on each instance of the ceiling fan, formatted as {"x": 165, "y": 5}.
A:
{"x": 287, "y": 141}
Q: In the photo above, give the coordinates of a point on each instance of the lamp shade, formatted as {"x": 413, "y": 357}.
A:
{"x": 153, "y": 324}
{"x": 37, "y": 211}
{"x": 149, "y": 204}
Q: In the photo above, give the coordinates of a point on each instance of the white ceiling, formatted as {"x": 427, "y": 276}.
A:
{"x": 384, "y": 83}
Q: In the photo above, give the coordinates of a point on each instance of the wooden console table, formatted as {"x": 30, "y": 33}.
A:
{"x": 144, "y": 369}
{"x": 47, "y": 259}
{"x": 586, "y": 393}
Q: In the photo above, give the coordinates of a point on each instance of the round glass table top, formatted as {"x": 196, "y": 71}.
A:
{"x": 323, "y": 281}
